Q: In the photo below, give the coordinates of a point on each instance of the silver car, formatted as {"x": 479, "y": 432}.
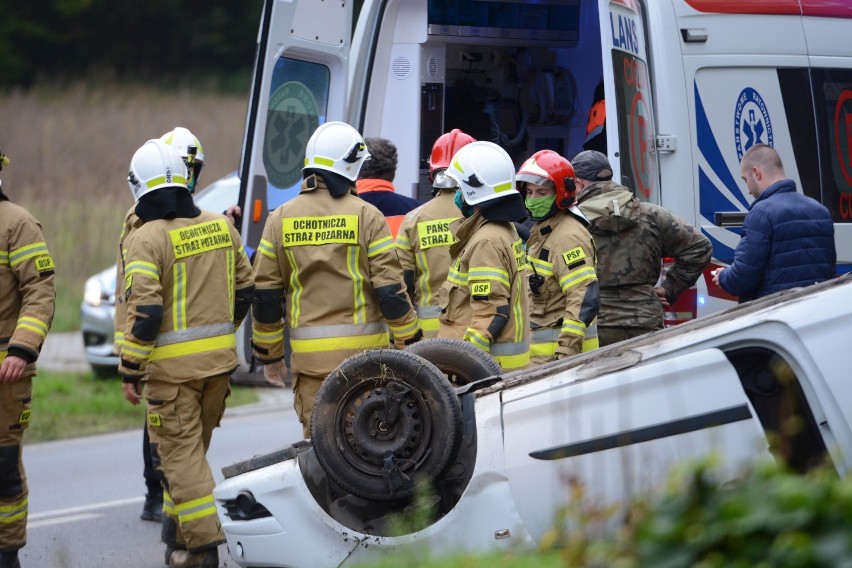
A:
{"x": 98, "y": 307}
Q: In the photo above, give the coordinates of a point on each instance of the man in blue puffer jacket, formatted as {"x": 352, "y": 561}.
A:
{"x": 787, "y": 239}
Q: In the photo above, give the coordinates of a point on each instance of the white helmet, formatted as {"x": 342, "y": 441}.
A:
{"x": 483, "y": 171}
{"x": 189, "y": 148}
{"x": 336, "y": 147}
{"x": 154, "y": 166}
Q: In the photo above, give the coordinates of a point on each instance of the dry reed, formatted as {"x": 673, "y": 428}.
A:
{"x": 70, "y": 150}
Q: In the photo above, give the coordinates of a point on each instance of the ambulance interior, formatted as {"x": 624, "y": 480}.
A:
{"x": 522, "y": 75}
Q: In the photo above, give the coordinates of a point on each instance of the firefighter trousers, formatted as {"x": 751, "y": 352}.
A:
{"x": 15, "y": 400}
{"x": 305, "y": 388}
{"x": 181, "y": 419}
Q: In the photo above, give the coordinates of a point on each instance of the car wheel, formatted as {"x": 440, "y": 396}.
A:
{"x": 461, "y": 361}
{"x": 383, "y": 420}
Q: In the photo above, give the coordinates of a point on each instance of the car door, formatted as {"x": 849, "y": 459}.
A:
{"x": 615, "y": 428}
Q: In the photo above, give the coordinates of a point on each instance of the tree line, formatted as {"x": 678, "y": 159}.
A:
{"x": 145, "y": 40}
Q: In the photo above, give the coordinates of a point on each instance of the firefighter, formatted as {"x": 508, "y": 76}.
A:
{"x": 484, "y": 299}
{"x": 188, "y": 285}
{"x": 424, "y": 239}
{"x": 27, "y": 298}
{"x": 331, "y": 256}
{"x": 190, "y": 149}
{"x": 564, "y": 291}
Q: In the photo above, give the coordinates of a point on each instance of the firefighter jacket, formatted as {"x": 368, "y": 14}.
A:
{"x": 632, "y": 238}
{"x": 332, "y": 263}
{"x": 484, "y": 299}
{"x": 131, "y": 223}
{"x": 423, "y": 245}
{"x": 27, "y": 294}
{"x": 188, "y": 286}
{"x": 564, "y": 291}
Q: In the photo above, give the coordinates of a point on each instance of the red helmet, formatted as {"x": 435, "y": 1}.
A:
{"x": 445, "y": 148}
{"x": 547, "y": 165}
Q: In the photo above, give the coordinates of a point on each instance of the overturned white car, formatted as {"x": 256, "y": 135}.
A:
{"x": 760, "y": 379}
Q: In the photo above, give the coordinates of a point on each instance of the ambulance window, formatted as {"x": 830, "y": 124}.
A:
{"x": 796, "y": 92}
{"x": 637, "y": 152}
{"x": 833, "y": 99}
{"x": 298, "y": 101}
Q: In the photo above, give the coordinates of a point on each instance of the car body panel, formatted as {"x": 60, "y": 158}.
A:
{"x": 614, "y": 422}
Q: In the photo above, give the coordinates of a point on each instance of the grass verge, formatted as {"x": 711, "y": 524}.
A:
{"x": 70, "y": 405}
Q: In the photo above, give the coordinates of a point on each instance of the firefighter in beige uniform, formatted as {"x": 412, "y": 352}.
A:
{"x": 331, "y": 256}
{"x": 190, "y": 149}
{"x": 424, "y": 239}
{"x": 188, "y": 287}
{"x": 26, "y": 311}
{"x": 484, "y": 299}
{"x": 564, "y": 291}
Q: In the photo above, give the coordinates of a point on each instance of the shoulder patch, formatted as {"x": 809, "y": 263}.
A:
{"x": 44, "y": 263}
{"x": 480, "y": 290}
{"x": 574, "y": 255}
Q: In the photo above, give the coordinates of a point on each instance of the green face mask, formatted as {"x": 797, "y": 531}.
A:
{"x": 466, "y": 209}
{"x": 539, "y": 207}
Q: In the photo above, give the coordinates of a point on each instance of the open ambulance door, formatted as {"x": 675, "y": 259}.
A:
{"x": 631, "y": 130}
{"x": 300, "y": 82}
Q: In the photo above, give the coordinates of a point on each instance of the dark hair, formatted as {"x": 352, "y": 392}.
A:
{"x": 382, "y": 161}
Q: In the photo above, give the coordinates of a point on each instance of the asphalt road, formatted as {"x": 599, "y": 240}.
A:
{"x": 86, "y": 493}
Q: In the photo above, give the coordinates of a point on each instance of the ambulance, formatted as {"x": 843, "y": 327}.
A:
{"x": 673, "y": 91}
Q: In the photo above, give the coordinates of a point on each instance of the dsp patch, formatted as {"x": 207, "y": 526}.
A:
{"x": 480, "y": 290}
{"x": 154, "y": 420}
{"x": 44, "y": 263}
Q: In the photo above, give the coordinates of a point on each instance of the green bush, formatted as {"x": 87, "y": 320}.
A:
{"x": 770, "y": 517}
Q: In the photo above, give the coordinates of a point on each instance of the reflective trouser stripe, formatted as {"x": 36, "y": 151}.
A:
{"x": 168, "y": 504}
{"x": 14, "y": 512}
{"x": 428, "y": 311}
{"x": 194, "y": 347}
{"x": 196, "y": 509}
{"x": 590, "y": 342}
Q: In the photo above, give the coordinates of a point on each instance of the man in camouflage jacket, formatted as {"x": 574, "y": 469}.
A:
{"x": 632, "y": 237}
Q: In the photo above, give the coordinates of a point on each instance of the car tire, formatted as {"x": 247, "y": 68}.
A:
{"x": 365, "y": 452}
{"x": 461, "y": 361}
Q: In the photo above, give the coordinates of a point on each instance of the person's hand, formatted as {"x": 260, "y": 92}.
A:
{"x": 132, "y": 392}
{"x": 661, "y": 294}
{"x": 275, "y": 373}
{"x": 716, "y": 274}
{"x": 12, "y": 369}
{"x": 233, "y": 213}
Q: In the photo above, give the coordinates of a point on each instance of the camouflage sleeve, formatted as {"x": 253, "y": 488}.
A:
{"x": 270, "y": 287}
{"x": 490, "y": 290}
{"x": 32, "y": 265}
{"x": 574, "y": 269}
{"x": 387, "y": 279}
{"x": 691, "y": 250}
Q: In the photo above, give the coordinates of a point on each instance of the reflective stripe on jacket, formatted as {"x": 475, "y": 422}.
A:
{"x": 332, "y": 262}
{"x": 27, "y": 294}
{"x": 484, "y": 299}
{"x": 423, "y": 245}
{"x": 183, "y": 276}
{"x": 564, "y": 308}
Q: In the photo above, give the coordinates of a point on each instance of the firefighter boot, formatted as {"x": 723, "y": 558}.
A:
{"x": 170, "y": 549}
{"x": 9, "y": 559}
{"x": 152, "y": 510}
{"x": 207, "y": 558}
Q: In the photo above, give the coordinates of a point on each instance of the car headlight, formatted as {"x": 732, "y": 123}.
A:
{"x": 94, "y": 292}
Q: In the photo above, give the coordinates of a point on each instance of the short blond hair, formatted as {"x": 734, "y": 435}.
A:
{"x": 764, "y": 157}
